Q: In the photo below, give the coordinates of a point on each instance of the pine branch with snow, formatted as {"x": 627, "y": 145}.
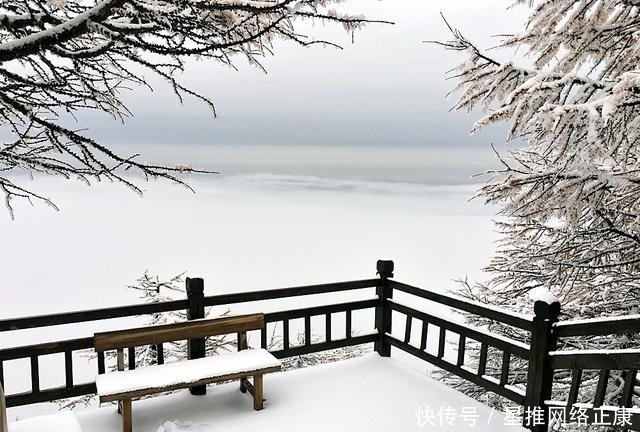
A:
{"x": 569, "y": 196}
{"x": 59, "y": 59}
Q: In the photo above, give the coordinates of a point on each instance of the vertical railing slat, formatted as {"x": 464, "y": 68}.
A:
{"x": 131, "y": 357}
{"x": 285, "y": 334}
{"x": 601, "y": 389}
{"x": 504, "y": 373}
{"x": 101, "y": 365}
{"x": 160, "y": 353}
{"x": 576, "y": 379}
{"x": 442, "y": 342}
{"x": 307, "y": 330}
{"x": 462, "y": 342}
{"x": 482, "y": 362}
{"x": 120, "y": 359}
{"x": 348, "y": 324}
{"x": 423, "y": 337}
{"x": 35, "y": 374}
{"x": 263, "y": 336}
{"x": 68, "y": 368}
{"x": 626, "y": 399}
{"x": 327, "y": 327}
{"x": 407, "y": 329}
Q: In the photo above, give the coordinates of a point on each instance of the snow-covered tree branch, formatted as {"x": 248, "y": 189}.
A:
{"x": 60, "y": 58}
{"x": 570, "y": 195}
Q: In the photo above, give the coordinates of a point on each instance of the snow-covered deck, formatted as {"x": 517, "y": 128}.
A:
{"x": 365, "y": 394}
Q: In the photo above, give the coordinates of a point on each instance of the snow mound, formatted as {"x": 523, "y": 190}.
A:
{"x": 175, "y": 426}
{"x": 542, "y": 294}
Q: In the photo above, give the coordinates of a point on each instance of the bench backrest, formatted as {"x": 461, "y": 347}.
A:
{"x": 174, "y": 332}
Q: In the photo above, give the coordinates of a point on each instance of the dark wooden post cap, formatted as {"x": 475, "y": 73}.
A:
{"x": 385, "y": 268}
{"x": 195, "y": 286}
{"x": 545, "y": 310}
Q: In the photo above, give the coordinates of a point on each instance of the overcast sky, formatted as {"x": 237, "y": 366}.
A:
{"x": 387, "y": 88}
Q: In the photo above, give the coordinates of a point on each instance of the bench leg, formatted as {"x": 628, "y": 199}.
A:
{"x": 257, "y": 392}
{"x": 243, "y": 389}
{"x": 127, "y": 422}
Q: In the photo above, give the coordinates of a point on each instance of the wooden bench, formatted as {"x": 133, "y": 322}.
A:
{"x": 124, "y": 386}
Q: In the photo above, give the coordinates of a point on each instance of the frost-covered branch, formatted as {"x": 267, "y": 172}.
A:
{"x": 569, "y": 196}
{"x": 61, "y": 58}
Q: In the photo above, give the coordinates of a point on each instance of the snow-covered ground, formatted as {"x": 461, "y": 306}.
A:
{"x": 370, "y": 394}
{"x": 254, "y": 228}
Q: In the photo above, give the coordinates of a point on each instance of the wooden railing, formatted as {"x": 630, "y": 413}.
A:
{"x": 540, "y": 355}
{"x": 618, "y": 367}
{"x": 195, "y": 308}
{"x": 465, "y": 334}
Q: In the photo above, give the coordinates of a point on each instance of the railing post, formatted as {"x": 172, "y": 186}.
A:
{"x": 383, "y": 312}
{"x": 195, "y": 310}
{"x": 540, "y": 374}
{"x": 3, "y": 412}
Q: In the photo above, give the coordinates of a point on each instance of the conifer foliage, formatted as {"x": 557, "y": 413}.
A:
{"x": 569, "y": 196}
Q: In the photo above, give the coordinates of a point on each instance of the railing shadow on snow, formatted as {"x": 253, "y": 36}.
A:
{"x": 541, "y": 355}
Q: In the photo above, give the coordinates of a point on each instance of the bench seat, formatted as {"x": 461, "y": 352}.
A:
{"x": 154, "y": 379}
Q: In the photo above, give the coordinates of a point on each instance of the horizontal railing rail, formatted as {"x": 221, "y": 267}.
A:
{"x": 599, "y": 326}
{"x": 511, "y": 318}
{"x": 273, "y": 294}
{"x": 76, "y": 317}
{"x": 45, "y": 348}
{"x": 596, "y": 359}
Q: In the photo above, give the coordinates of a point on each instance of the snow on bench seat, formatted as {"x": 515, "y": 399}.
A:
{"x": 189, "y": 371}
{"x": 62, "y": 422}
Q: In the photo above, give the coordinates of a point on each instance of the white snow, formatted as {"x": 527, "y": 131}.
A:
{"x": 52, "y": 32}
{"x": 604, "y": 319}
{"x": 185, "y": 371}
{"x": 542, "y": 294}
{"x": 62, "y": 422}
{"x": 371, "y": 393}
{"x": 630, "y": 351}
